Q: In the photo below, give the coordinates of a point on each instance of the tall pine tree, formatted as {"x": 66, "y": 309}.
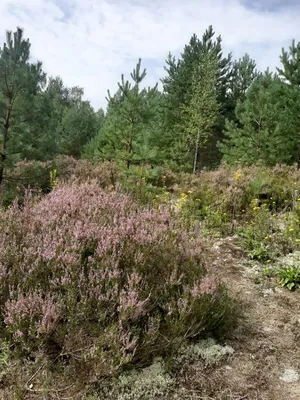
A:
{"x": 20, "y": 81}
{"x": 178, "y": 90}
{"x": 124, "y": 133}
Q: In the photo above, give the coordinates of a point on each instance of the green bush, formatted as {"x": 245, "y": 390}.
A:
{"x": 289, "y": 277}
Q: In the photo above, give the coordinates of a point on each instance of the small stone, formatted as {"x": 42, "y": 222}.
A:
{"x": 290, "y": 376}
{"x": 278, "y": 290}
{"x": 296, "y": 320}
{"x": 268, "y": 329}
{"x": 268, "y": 292}
{"x": 227, "y": 350}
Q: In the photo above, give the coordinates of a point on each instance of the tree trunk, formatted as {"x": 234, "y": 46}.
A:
{"x": 259, "y": 137}
{"x": 196, "y": 152}
{"x": 1, "y": 170}
{"x": 4, "y": 141}
{"x": 129, "y": 150}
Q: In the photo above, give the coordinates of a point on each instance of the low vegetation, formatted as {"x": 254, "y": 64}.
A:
{"x": 104, "y": 270}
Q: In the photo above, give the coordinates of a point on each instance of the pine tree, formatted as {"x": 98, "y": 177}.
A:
{"x": 265, "y": 131}
{"x": 178, "y": 84}
{"x": 290, "y": 60}
{"x": 124, "y": 133}
{"x": 243, "y": 74}
{"x": 290, "y": 74}
{"x": 20, "y": 81}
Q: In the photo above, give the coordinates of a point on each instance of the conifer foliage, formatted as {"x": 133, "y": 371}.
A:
{"x": 124, "y": 134}
{"x": 211, "y": 109}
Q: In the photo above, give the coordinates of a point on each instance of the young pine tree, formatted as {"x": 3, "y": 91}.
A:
{"x": 129, "y": 113}
{"x": 265, "y": 126}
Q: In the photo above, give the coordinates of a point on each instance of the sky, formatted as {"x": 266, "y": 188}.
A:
{"x": 90, "y": 43}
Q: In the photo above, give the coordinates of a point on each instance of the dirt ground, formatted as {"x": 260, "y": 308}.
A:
{"x": 267, "y": 346}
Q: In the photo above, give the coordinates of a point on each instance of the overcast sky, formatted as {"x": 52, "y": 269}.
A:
{"x": 89, "y": 43}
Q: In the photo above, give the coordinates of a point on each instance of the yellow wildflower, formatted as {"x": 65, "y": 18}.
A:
{"x": 237, "y": 176}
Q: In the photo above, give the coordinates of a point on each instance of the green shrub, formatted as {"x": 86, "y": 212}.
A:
{"x": 289, "y": 277}
{"x": 225, "y": 197}
{"x": 147, "y": 184}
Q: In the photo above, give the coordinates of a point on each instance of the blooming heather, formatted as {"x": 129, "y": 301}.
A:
{"x": 84, "y": 259}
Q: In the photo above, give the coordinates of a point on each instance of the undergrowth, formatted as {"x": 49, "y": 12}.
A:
{"x": 103, "y": 270}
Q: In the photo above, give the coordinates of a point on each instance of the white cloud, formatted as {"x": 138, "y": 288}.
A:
{"x": 89, "y": 43}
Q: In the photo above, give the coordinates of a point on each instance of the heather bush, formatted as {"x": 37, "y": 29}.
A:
{"x": 42, "y": 176}
{"x": 68, "y": 168}
{"x": 24, "y": 175}
{"x": 86, "y": 271}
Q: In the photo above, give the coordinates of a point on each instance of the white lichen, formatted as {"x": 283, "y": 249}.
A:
{"x": 150, "y": 383}
{"x": 206, "y": 350}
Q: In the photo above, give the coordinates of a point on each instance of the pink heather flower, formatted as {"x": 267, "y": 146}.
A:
{"x": 127, "y": 341}
{"x": 19, "y": 333}
{"x": 31, "y": 307}
{"x": 128, "y": 300}
{"x": 84, "y": 252}
{"x": 134, "y": 279}
{"x": 65, "y": 281}
{"x": 195, "y": 291}
{"x": 207, "y": 285}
